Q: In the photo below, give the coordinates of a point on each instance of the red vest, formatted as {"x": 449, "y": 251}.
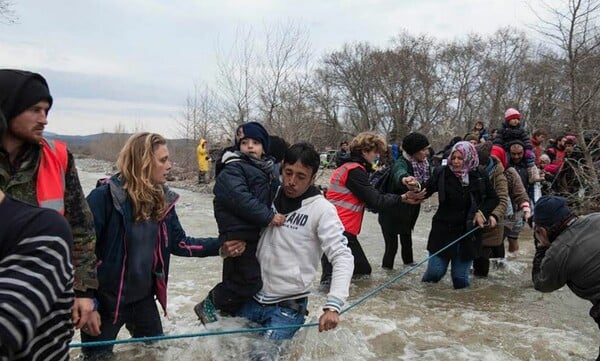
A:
{"x": 349, "y": 208}
{"x": 50, "y": 183}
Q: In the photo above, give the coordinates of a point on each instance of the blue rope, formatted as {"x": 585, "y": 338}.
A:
{"x": 261, "y": 329}
{"x": 403, "y": 273}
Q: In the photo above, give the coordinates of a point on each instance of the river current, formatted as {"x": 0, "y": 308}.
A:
{"x": 498, "y": 318}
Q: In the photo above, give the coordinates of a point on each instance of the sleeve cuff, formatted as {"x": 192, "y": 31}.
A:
{"x": 89, "y": 293}
{"x": 333, "y": 305}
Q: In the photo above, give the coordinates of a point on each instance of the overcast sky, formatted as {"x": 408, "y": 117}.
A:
{"x": 133, "y": 62}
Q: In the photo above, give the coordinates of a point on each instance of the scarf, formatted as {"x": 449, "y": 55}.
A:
{"x": 420, "y": 168}
{"x": 471, "y": 161}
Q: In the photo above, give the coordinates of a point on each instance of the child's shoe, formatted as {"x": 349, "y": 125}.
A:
{"x": 206, "y": 311}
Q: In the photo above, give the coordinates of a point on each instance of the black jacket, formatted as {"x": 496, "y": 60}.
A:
{"x": 457, "y": 207}
{"x": 403, "y": 217}
{"x": 358, "y": 184}
{"x": 243, "y": 195}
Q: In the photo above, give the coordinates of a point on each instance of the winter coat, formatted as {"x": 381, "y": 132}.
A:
{"x": 457, "y": 207}
{"x": 202, "y": 156}
{"x": 573, "y": 259}
{"x": 20, "y": 183}
{"x": 516, "y": 189}
{"x": 131, "y": 255}
{"x": 243, "y": 195}
{"x": 491, "y": 237}
{"x": 358, "y": 184}
{"x": 402, "y": 217}
{"x": 510, "y": 133}
{"x": 483, "y": 134}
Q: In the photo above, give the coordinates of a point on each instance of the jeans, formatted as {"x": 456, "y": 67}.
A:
{"x": 274, "y": 316}
{"x": 141, "y": 319}
{"x": 437, "y": 267}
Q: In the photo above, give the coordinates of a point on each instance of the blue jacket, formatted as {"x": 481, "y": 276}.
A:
{"x": 126, "y": 276}
{"x": 243, "y": 191}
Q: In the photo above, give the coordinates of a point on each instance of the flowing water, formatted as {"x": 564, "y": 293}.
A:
{"x": 498, "y": 318}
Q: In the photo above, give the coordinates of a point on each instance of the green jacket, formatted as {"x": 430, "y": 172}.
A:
{"x": 404, "y": 216}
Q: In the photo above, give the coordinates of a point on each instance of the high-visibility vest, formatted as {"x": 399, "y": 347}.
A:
{"x": 50, "y": 184}
{"x": 349, "y": 208}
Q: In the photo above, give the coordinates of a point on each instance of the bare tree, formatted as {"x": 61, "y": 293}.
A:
{"x": 506, "y": 54}
{"x": 199, "y": 117}
{"x": 283, "y": 64}
{"x": 575, "y": 31}
{"x": 350, "y": 71}
{"x": 463, "y": 78}
{"x": 547, "y": 90}
{"x": 235, "y": 78}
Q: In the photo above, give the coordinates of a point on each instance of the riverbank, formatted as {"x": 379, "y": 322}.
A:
{"x": 178, "y": 179}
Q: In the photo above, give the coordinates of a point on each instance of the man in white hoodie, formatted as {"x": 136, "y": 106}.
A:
{"x": 289, "y": 255}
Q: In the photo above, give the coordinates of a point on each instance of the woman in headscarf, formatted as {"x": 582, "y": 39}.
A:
{"x": 466, "y": 200}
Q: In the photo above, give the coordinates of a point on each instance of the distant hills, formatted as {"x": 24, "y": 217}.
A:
{"x": 78, "y": 140}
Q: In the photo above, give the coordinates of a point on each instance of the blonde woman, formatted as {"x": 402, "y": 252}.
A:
{"x": 137, "y": 229}
{"x": 350, "y": 191}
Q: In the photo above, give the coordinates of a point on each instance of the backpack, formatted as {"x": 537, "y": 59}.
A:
{"x": 380, "y": 179}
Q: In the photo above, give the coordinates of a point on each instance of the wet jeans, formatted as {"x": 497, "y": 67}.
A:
{"x": 275, "y": 315}
{"x": 437, "y": 267}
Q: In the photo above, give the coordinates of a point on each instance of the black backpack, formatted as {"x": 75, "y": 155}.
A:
{"x": 380, "y": 179}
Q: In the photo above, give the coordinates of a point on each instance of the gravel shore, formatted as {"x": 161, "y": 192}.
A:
{"x": 178, "y": 178}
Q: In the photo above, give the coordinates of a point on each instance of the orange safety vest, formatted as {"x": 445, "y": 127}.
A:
{"x": 50, "y": 183}
{"x": 349, "y": 208}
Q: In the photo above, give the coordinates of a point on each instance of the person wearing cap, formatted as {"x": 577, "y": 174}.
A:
{"x": 42, "y": 172}
{"x": 512, "y": 131}
{"x": 244, "y": 191}
{"x": 409, "y": 170}
{"x": 567, "y": 251}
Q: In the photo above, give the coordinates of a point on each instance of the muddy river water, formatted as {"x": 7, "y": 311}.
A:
{"x": 498, "y": 318}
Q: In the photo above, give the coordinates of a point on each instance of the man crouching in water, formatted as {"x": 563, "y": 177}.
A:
{"x": 289, "y": 255}
{"x": 567, "y": 251}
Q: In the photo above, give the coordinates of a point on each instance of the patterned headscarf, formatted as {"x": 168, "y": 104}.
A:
{"x": 469, "y": 154}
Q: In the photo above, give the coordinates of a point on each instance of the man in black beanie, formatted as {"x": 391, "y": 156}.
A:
{"x": 42, "y": 173}
{"x": 567, "y": 251}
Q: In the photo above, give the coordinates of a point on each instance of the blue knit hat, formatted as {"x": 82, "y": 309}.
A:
{"x": 255, "y": 131}
{"x": 550, "y": 210}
